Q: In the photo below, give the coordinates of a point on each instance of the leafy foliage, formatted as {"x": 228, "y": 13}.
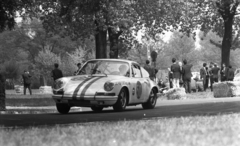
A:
{"x": 11, "y": 69}
{"x": 78, "y": 55}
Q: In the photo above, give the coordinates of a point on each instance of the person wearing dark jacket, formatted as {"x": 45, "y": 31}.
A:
{"x": 215, "y": 73}
{"x": 224, "y": 73}
{"x": 150, "y": 70}
{"x": 170, "y": 78}
{"x": 204, "y": 76}
{"x": 27, "y": 82}
{"x": 79, "y": 65}
{"x": 176, "y": 71}
{"x": 56, "y": 73}
{"x": 230, "y": 75}
{"x": 187, "y": 74}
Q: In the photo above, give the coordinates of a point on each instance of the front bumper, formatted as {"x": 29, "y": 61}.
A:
{"x": 99, "y": 99}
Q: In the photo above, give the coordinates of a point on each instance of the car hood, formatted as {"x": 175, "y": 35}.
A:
{"x": 88, "y": 85}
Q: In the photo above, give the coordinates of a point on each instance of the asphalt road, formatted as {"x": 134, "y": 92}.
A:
{"x": 164, "y": 109}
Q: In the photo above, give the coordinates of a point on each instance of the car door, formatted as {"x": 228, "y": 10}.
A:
{"x": 137, "y": 84}
{"x": 146, "y": 84}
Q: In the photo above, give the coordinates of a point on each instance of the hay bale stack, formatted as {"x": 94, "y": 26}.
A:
{"x": 45, "y": 89}
{"x": 18, "y": 89}
{"x": 226, "y": 89}
{"x": 199, "y": 85}
{"x": 176, "y": 93}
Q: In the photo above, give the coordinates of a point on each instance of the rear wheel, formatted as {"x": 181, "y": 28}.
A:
{"x": 63, "y": 108}
{"x": 152, "y": 100}
{"x": 121, "y": 103}
{"x": 97, "y": 109}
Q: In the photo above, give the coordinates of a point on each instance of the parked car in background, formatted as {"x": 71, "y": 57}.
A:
{"x": 104, "y": 83}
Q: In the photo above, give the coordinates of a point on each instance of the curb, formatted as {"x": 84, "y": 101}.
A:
{"x": 35, "y": 110}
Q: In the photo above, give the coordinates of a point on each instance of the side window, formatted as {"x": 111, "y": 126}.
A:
{"x": 145, "y": 74}
{"x": 136, "y": 71}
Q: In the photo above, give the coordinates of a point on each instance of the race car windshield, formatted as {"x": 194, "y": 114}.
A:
{"x": 106, "y": 68}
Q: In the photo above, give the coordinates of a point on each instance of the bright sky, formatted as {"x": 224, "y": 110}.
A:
{"x": 166, "y": 37}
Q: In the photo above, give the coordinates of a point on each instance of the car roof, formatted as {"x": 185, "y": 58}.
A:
{"x": 109, "y": 59}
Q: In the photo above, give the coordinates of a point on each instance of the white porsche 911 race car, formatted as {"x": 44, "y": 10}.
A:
{"x": 102, "y": 83}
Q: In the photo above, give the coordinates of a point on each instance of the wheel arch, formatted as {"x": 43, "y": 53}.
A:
{"x": 155, "y": 88}
{"x": 128, "y": 93}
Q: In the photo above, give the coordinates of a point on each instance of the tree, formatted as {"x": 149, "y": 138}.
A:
{"x": 138, "y": 53}
{"x": 8, "y": 9}
{"x": 78, "y": 56}
{"x": 77, "y": 19}
{"x": 181, "y": 47}
{"x": 116, "y": 20}
{"x": 45, "y": 60}
{"x": 210, "y": 45}
{"x": 210, "y": 52}
{"x": 220, "y": 18}
{"x": 189, "y": 15}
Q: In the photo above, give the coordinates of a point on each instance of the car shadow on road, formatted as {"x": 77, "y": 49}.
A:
{"x": 182, "y": 110}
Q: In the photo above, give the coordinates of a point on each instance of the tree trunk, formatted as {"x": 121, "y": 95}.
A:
{"x": 2, "y": 93}
{"x": 114, "y": 40}
{"x": 101, "y": 43}
{"x": 42, "y": 83}
{"x": 44, "y": 80}
{"x": 227, "y": 40}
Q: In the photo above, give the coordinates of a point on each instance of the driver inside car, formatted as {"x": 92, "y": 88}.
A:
{"x": 124, "y": 70}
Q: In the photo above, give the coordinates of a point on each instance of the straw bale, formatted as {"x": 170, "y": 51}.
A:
{"x": 176, "y": 93}
{"x": 45, "y": 89}
{"x": 18, "y": 88}
{"x": 226, "y": 89}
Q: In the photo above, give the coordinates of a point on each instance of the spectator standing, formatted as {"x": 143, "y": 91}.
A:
{"x": 224, "y": 73}
{"x": 211, "y": 76}
{"x": 170, "y": 78}
{"x": 79, "y": 65}
{"x": 56, "y": 73}
{"x": 230, "y": 75}
{"x": 187, "y": 74}
{"x": 176, "y": 71}
{"x": 203, "y": 75}
{"x": 27, "y": 82}
{"x": 181, "y": 75}
{"x": 150, "y": 70}
{"x": 215, "y": 73}
{"x": 207, "y": 77}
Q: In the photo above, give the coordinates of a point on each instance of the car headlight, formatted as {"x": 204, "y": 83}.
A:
{"x": 108, "y": 86}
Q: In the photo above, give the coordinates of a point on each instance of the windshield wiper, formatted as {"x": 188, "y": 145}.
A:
{"x": 97, "y": 71}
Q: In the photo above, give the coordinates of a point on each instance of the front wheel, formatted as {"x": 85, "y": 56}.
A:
{"x": 152, "y": 100}
{"x": 63, "y": 108}
{"x": 97, "y": 109}
{"x": 121, "y": 103}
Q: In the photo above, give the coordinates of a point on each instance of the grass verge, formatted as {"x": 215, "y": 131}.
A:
{"x": 13, "y": 99}
{"x": 219, "y": 130}
{"x": 36, "y": 99}
{"x": 32, "y": 102}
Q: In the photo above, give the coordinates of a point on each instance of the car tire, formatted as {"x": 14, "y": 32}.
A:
{"x": 121, "y": 103}
{"x": 63, "y": 108}
{"x": 96, "y": 109}
{"x": 152, "y": 100}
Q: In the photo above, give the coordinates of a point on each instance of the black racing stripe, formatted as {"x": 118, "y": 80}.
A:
{"x": 87, "y": 86}
{"x": 78, "y": 87}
